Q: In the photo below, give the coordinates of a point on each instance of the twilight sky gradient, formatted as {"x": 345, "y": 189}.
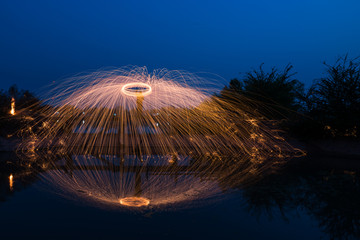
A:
{"x": 45, "y": 41}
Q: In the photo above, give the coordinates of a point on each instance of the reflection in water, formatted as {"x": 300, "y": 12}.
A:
{"x": 330, "y": 197}
{"x": 11, "y": 183}
{"x": 155, "y": 180}
{"x": 134, "y": 201}
{"x": 15, "y": 175}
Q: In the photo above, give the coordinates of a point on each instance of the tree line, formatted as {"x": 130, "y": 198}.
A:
{"x": 329, "y": 108}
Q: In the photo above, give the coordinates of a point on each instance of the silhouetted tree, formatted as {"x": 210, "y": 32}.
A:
{"x": 13, "y": 91}
{"x": 336, "y": 98}
{"x": 4, "y": 103}
{"x": 276, "y": 92}
{"x": 25, "y": 103}
{"x": 23, "y": 98}
{"x": 330, "y": 197}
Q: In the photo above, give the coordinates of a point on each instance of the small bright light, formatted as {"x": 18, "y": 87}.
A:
{"x": 12, "y": 110}
{"x": 11, "y": 181}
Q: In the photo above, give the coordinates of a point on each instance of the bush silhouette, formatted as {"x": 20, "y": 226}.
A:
{"x": 336, "y": 98}
{"x": 276, "y": 92}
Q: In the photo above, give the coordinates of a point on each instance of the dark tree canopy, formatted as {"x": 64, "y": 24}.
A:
{"x": 23, "y": 99}
{"x": 336, "y": 97}
{"x": 276, "y": 93}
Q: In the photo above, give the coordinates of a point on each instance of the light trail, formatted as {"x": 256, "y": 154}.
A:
{"x": 107, "y": 118}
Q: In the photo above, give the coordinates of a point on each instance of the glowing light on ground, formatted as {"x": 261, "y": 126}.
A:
{"x": 134, "y": 201}
{"x": 12, "y": 107}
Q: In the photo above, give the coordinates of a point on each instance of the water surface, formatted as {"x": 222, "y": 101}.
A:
{"x": 297, "y": 202}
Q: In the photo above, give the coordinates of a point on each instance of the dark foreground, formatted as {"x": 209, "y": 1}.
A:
{"x": 308, "y": 199}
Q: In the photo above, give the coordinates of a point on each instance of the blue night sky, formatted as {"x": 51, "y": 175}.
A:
{"x": 43, "y": 41}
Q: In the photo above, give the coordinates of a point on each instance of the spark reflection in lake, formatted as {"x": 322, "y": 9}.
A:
{"x": 11, "y": 182}
{"x": 133, "y": 181}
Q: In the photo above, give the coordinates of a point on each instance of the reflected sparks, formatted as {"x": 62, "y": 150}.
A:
{"x": 132, "y": 181}
{"x": 11, "y": 182}
{"x": 134, "y": 201}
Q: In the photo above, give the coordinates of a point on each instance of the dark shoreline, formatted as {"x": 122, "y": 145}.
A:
{"x": 318, "y": 152}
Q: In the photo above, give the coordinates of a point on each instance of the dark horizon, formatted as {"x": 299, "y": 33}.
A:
{"x": 46, "y": 41}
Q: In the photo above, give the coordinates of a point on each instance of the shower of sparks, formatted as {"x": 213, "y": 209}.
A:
{"x": 115, "y": 124}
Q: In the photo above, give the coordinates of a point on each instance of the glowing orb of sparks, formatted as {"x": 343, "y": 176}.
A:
{"x": 107, "y": 134}
{"x": 136, "y": 89}
{"x": 134, "y": 201}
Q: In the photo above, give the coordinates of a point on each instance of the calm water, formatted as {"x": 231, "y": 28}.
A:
{"x": 298, "y": 202}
